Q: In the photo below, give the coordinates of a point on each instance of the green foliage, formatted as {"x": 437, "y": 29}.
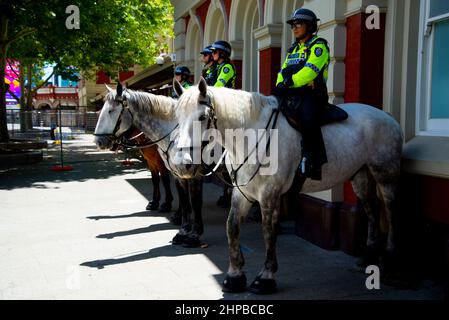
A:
{"x": 113, "y": 36}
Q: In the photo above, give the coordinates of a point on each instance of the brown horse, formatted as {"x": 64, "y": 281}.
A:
{"x": 158, "y": 172}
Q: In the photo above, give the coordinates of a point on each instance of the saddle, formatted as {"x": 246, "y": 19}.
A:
{"x": 329, "y": 114}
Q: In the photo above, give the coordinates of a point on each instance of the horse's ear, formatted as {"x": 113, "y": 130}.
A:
{"x": 202, "y": 86}
{"x": 178, "y": 88}
{"x": 119, "y": 90}
{"x": 108, "y": 87}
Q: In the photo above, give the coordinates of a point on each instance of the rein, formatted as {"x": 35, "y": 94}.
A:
{"x": 113, "y": 136}
{"x": 152, "y": 143}
{"x": 233, "y": 174}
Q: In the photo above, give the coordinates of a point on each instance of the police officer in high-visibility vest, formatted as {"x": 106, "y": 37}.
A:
{"x": 226, "y": 73}
{"x": 210, "y": 66}
{"x": 182, "y": 74}
{"x": 303, "y": 76}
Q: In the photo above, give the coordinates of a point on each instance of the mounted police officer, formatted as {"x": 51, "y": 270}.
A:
{"x": 225, "y": 77}
{"x": 301, "y": 86}
{"x": 226, "y": 73}
{"x": 210, "y": 66}
{"x": 182, "y": 74}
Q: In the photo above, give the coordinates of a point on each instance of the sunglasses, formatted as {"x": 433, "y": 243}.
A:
{"x": 297, "y": 24}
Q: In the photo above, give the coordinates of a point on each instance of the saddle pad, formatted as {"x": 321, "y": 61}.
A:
{"x": 333, "y": 114}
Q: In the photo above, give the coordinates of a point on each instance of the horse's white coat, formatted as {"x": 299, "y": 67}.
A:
{"x": 369, "y": 138}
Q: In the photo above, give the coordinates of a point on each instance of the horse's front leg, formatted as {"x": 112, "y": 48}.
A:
{"x": 264, "y": 282}
{"x": 154, "y": 203}
{"x": 166, "y": 206}
{"x": 186, "y": 209}
{"x": 196, "y": 198}
{"x": 235, "y": 280}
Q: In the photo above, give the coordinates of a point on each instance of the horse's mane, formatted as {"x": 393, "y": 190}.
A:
{"x": 147, "y": 103}
{"x": 235, "y": 105}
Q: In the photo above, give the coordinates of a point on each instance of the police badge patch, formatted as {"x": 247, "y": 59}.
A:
{"x": 226, "y": 70}
{"x": 318, "y": 52}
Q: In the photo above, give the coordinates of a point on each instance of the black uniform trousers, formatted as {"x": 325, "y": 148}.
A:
{"x": 305, "y": 106}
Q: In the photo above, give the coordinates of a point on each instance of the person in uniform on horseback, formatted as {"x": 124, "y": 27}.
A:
{"x": 225, "y": 77}
{"x": 182, "y": 74}
{"x": 226, "y": 73}
{"x": 301, "y": 88}
{"x": 210, "y": 66}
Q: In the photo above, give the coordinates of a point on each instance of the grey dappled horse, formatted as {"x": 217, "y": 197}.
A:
{"x": 366, "y": 149}
{"x": 154, "y": 115}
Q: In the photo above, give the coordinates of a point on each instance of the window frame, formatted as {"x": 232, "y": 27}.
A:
{"x": 426, "y": 125}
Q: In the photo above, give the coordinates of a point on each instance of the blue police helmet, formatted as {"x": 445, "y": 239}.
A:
{"x": 222, "y": 45}
{"x": 182, "y": 70}
{"x": 207, "y": 50}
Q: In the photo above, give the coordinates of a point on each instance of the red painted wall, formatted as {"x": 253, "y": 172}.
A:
{"x": 227, "y": 4}
{"x": 364, "y": 61}
{"x": 269, "y": 67}
{"x": 201, "y": 11}
{"x": 102, "y": 78}
{"x": 364, "y": 64}
{"x": 428, "y": 196}
{"x": 125, "y": 75}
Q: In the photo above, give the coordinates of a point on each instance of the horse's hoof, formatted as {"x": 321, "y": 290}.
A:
{"x": 191, "y": 242}
{"x": 178, "y": 239}
{"x": 234, "y": 284}
{"x": 165, "y": 208}
{"x": 263, "y": 286}
{"x": 152, "y": 205}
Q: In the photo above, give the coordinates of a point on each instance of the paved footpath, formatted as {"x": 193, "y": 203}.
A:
{"x": 85, "y": 234}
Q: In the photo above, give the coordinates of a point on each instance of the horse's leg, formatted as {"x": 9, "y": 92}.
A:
{"x": 364, "y": 187}
{"x": 387, "y": 186}
{"x": 186, "y": 209}
{"x": 196, "y": 197}
{"x": 165, "y": 177}
{"x": 154, "y": 203}
{"x": 235, "y": 280}
{"x": 264, "y": 282}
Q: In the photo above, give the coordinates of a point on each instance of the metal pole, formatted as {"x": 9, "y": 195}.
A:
{"x": 60, "y": 135}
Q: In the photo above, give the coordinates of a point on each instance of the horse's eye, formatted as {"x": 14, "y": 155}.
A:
{"x": 202, "y": 117}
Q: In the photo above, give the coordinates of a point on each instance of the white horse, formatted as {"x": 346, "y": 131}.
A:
{"x": 366, "y": 149}
{"x": 154, "y": 115}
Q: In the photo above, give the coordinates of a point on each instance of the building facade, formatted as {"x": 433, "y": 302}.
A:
{"x": 391, "y": 54}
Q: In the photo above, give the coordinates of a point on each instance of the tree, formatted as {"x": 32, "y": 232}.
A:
{"x": 112, "y": 36}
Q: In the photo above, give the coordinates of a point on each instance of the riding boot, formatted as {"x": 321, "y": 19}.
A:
{"x": 313, "y": 148}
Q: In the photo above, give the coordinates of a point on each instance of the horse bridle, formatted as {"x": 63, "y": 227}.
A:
{"x": 212, "y": 119}
{"x": 113, "y": 136}
{"x": 124, "y": 104}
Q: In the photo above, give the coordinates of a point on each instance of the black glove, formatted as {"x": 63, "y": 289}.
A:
{"x": 280, "y": 90}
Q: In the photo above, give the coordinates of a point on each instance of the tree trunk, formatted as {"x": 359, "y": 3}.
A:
{"x": 26, "y": 122}
{"x": 4, "y": 135}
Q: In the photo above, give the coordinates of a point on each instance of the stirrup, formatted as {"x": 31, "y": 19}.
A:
{"x": 308, "y": 170}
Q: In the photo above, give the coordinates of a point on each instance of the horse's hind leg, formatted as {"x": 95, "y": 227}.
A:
{"x": 264, "y": 282}
{"x": 387, "y": 185}
{"x": 364, "y": 187}
{"x": 235, "y": 280}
